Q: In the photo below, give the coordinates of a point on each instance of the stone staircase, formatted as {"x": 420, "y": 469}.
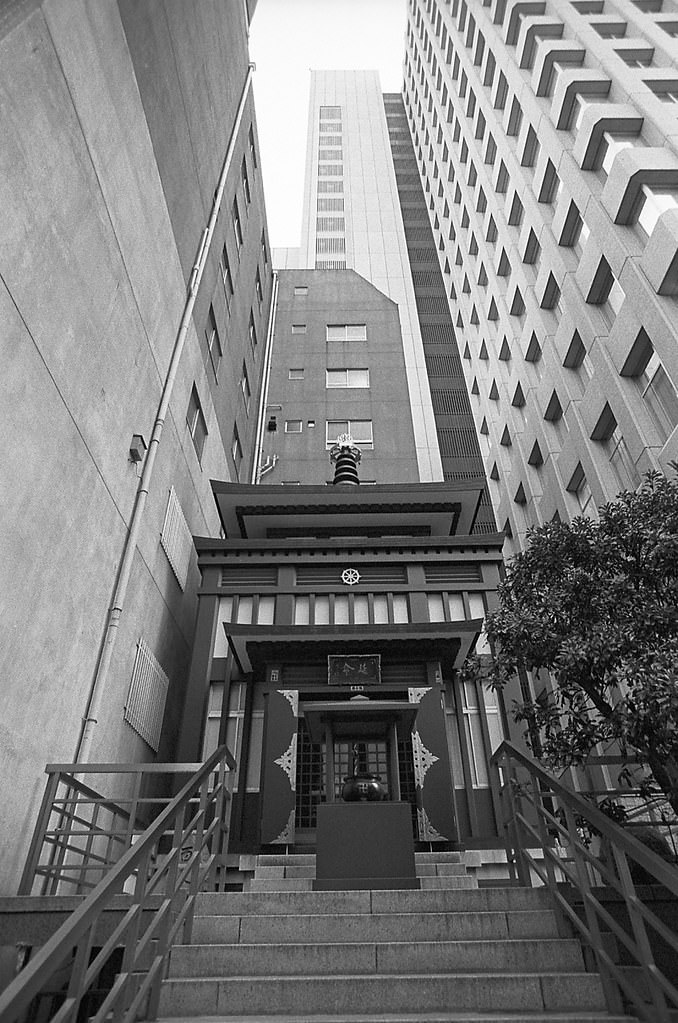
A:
{"x": 279, "y": 951}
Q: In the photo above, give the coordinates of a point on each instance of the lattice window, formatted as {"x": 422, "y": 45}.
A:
{"x": 145, "y": 704}
{"x": 176, "y": 539}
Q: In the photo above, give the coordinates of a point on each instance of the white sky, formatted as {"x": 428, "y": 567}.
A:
{"x": 287, "y": 39}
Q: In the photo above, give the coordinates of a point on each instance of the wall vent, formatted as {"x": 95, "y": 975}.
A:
{"x": 145, "y": 704}
{"x": 176, "y": 539}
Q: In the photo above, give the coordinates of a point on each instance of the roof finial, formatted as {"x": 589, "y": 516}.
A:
{"x": 346, "y": 456}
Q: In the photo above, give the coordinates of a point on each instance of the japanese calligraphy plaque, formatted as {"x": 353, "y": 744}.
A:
{"x": 354, "y": 669}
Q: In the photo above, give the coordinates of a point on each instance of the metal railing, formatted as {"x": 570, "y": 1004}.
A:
{"x": 181, "y": 852}
{"x": 543, "y": 816}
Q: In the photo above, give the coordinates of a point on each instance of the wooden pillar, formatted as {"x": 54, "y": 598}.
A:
{"x": 393, "y": 762}
{"x": 329, "y": 763}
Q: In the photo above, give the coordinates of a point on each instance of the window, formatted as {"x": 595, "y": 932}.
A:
{"x": 347, "y": 332}
{"x": 576, "y": 357}
{"x": 293, "y": 426}
{"x": 245, "y": 181}
{"x": 253, "y": 149}
{"x": 237, "y": 226}
{"x": 666, "y": 95}
{"x": 252, "y": 332}
{"x": 347, "y": 378}
{"x": 606, "y": 293}
{"x": 245, "y": 387}
{"x": 515, "y": 217}
{"x": 502, "y": 92}
{"x": 258, "y": 288}
{"x": 515, "y": 118}
{"x": 579, "y": 486}
{"x": 295, "y": 374}
{"x": 264, "y": 248}
{"x": 609, "y": 147}
{"x": 213, "y": 340}
{"x": 607, "y": 432}
{"x": 531, "y": 151}
{"x": 351, "y": 609}
{"x": 657, "y": 390}
{"x": 195, "y": 420}
{"x": 226, "y": 278}
{"x": 502, "y": 178}
{"x": 575, "y": 231}
{"x": 236, "y": 449}
{"x": 550, "y": 184}
{"x": 300, "y": 290}
{"x": 446, "y": 607}
{"x": 532, "y": 249}
{"x": 659, "y": 395}
{"x": 298, "y": 328}
{"x": 360, "y": 431}
{"x": 652, "y": 202}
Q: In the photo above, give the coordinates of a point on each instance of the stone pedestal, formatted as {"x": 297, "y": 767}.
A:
{"x": 364, "y": 845}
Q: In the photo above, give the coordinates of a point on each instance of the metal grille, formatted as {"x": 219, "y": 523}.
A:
{"x": 310, "y": 778}
{"x": 460, "y": 573}
{"x": 145, "y": 704}
{"x": 443, "y": 366}
{"x": 176, "y": 539}
{"x": 458, "y": 443}
{"x": 450, "y": 403}
{"x": 249, "y": 575}
{"x": 330, "y": 245}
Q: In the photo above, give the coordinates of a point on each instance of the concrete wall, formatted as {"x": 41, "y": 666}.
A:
{"x": 335, "y": 297}
{"x": 95, "y": 244}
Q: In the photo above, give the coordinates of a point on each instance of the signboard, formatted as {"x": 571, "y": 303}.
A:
{"x": 354, "y": 670}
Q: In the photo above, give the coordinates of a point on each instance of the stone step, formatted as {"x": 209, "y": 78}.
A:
{"x": 426, "y": 869}
{"x": 285, "y": 870}
{"x": 308, "y": 859}
{"x": 247, "y": 995}
{"x": 281, "y": 859}
{"x": 524, "y": 956}
{"x": 403, "y": 901}
{"x": 305, "y": 884}
{"x": 334, "y": 928}
{"x": 452, "y": 881}
{"x": 401, "y": 1017}
{"x": 281, "y": 884}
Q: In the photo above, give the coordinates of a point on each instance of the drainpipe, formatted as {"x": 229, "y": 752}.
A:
{"x": 263, "y": 397}
{"x": 98, "y": 686}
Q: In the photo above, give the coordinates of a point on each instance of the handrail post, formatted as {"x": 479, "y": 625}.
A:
{"x": 37, "y": 841}
{"x": 537, "y": 796}
{"x": 513, "y": 787}
{"x": 610, "y": 987}
{"x": 640, "y": 934}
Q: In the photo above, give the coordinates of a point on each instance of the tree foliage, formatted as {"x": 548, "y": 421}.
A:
{"x": 595, "y": 604}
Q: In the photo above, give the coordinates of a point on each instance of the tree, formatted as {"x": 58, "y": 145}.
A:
{"x": 596, "y": 605}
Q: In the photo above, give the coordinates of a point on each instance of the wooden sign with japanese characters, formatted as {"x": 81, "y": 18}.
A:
{"x": 354, "y": 670}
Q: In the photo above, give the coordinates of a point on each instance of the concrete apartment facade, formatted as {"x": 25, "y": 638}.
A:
{"x": 123, "y": 125}
{"x": 545, "y": 135}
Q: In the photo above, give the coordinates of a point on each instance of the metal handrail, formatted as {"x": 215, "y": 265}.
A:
{"x": 145, "y": 942}
{"x": 541, "y": 813}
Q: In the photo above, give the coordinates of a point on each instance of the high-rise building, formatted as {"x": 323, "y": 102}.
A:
{"x": 545, "y": 136}
{"x": 365, "y": 209}
{"x": 136, "y": 284}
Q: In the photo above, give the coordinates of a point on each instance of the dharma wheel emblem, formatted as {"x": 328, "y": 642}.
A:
{"x": 350, "y": 576}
